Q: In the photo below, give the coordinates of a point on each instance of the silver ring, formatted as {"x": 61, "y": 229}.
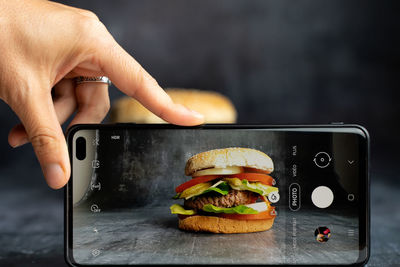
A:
{"x": 98, "y": 79}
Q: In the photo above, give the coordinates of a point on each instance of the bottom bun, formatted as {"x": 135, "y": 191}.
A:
{"x": 222, "y": 225}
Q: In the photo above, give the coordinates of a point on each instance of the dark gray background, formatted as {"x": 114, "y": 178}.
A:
{"x": 279, "y": 61}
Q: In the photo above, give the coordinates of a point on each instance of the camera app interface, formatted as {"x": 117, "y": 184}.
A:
{"x": 216, "y": 196}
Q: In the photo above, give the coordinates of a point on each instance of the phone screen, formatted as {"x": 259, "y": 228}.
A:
{"x": 124, "y": 182}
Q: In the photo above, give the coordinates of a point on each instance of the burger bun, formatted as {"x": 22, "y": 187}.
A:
{"x": 227, "y": 157}
{"x": 215, "y": 224}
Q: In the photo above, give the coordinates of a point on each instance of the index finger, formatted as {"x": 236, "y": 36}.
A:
{"x": 130, "y": 77}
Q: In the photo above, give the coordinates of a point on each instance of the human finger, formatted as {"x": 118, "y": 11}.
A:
{"x": 64, "y": 99}
{"x": 93, "y": 102}
{"x": 39, "y": 118}
{"x": 64, "y": 105}
{"x": 131, "y": 78}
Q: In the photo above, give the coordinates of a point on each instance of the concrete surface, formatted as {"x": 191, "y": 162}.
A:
{"x": 31, "y": 226}
{"x": 150, "y": 235}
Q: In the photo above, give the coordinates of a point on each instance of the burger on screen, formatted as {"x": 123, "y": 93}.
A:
{"x": 231, "y": 191}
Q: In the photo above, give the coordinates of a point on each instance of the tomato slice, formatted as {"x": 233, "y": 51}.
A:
{"x": 251, "y": 177}
{"x": 254, "y": 177}
{"x": 198, "y": 180}
{"x": 268, "y": 214}
{"x": 253, "y": 198}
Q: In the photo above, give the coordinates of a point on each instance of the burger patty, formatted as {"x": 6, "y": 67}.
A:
{"x": 232, "y": 199}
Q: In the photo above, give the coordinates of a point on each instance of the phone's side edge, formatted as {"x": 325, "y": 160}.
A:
{"x": 368, "y": 192}
{"x": 364, "y": 258}
{"x": 67, "y": 197}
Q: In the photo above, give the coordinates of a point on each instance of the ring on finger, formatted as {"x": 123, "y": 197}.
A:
{"x": 98, "y": 79}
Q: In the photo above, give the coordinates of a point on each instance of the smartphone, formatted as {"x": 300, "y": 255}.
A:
{"x": 217, "y": 194}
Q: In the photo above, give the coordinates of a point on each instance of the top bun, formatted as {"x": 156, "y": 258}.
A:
{"x": 215, "y": 107}
{"x": 232, "y": 156}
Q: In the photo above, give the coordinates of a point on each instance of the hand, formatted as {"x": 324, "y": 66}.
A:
{"x": 44, "y": 45}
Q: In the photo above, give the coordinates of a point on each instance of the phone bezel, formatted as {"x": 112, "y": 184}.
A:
{"x": 364, "y": 187}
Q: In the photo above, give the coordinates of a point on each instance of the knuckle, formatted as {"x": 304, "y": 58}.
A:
{"x": 160, "y": 113}
{"x": 144, "y": 81}
{"x": 89, "y": 14}
{"x": 140, "y": 75}
{"x": 90, "y": 26}
{"x": 140, "y": 79}
{"x": 89, "y": 23}
{"x": 93, "y": 34}
{"x": 44, "y": 141}
{"x": 151, "y": 81}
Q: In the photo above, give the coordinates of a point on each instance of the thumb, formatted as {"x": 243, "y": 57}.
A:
{"x": 39, "y": 118}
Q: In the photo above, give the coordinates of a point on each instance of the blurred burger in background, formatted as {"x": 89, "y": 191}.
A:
{"x": 215, "y": 107}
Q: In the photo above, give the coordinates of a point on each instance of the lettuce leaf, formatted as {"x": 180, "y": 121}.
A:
{"x": 241, "y": 209}
{"x": 195, "y": 190}
{"x": 222, "y": 188}
{"x": 178, "y": 209}
{"x": 256, "y": 187}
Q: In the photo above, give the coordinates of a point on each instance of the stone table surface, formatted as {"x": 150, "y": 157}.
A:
{"x": 31, "y": 225}
{"x": 150, "y": 235}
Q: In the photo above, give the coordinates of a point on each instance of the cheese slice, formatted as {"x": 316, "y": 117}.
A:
{"x": 219, "y": 171}
{"x": 198, "y": 189}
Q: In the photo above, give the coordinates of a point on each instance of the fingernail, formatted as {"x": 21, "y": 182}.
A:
{"x": 21, "y": 142}
{"x": 54, "y": 175}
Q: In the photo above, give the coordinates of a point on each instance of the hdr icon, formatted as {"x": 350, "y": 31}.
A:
{"x": 294, "y": 197}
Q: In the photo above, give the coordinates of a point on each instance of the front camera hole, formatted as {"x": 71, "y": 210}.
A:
{"x": 80, "y": 148}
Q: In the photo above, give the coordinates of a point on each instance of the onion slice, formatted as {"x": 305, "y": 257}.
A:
{"x": 219, "y": 171}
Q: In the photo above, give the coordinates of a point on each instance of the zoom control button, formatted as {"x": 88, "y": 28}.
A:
{"x": 322, "y": 159}
{"x": 294, "y": 197}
